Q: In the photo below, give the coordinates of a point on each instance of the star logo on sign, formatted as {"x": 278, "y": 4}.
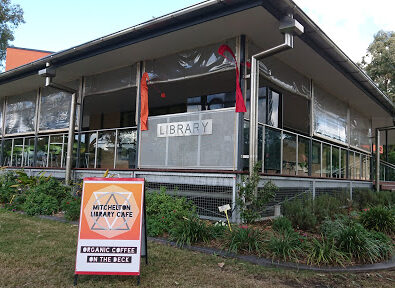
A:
{"x": 111, "y": 211}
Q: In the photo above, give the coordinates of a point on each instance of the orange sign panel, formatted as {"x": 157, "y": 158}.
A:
{"x": 109, "y": 240}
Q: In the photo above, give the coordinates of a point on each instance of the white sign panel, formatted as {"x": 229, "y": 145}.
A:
{"x": 188, "y": 128}
{"x": 109, "y": 238}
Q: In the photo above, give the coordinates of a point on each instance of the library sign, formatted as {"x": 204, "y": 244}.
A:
{"x": 109, "y": 238}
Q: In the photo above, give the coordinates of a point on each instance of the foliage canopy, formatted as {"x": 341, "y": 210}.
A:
{"x": 379, "y": 61}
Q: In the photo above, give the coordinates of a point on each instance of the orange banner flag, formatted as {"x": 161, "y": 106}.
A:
{"x": 144, "y": 102}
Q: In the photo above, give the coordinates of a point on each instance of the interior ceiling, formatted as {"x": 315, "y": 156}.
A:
{"x": 259, "y": 25}
{"x": 118, "y": 101}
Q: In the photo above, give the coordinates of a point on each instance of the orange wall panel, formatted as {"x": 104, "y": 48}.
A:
{"x": 17, "y": 57}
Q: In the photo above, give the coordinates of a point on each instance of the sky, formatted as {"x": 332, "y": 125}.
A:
{"x": 56, "y": 25}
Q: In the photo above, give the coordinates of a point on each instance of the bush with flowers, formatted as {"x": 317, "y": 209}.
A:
{"x": 71, "y": 208}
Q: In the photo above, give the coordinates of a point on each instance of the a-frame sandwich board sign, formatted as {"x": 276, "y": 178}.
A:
{"x": 111, "y": 224}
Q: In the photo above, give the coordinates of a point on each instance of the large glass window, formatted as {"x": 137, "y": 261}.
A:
{"x": 303, "y": 156}
{"x": 42, "y": 151}
{"x": 17, "y": 152}
{"x": 343, "y": 160}
{"x": 316, "y": 159}
{"x": 110, "y": 110}
{"x": 28, "y": 152}
{"x": 335, "y": 162}
{"x": 126, "y": 149}
{"x": 351, "y": 165}
{"x": 55, "y": 151}
{"x": 367, "y": 168}
{"x": 272, "y": 150}
{"x": 296, "y": 113}
{"x": 88, "y": 150}
{"x": 75, "y": 148}
{"x": 289, "y": 154}
{"x": 326, "y": 160}
{"x": 357, "y": 160}
{"x": 121, "y": 78}
{"x": 274, "y": 109}
{"x": 20, "y": 113}
{"x": 330, "y": 115}
{"x": 106, "y": 149}
{"x": 54, "y": 109}
{"x": 197, "y": 61}
{"x": 7, "y": 152}
{"x": 361, "y": 132}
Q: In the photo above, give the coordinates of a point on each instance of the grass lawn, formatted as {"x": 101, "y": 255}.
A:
{"x": 41, "y": 253}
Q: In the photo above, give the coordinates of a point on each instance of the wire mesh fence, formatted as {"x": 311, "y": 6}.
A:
{"x": 207, "y": 192}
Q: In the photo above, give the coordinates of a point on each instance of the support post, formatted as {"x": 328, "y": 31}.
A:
{"x": 377, "y": 160}
{"x": 253, "y": 115}
{"x": 240, "y": 121}
{"x": 70, "y": 140}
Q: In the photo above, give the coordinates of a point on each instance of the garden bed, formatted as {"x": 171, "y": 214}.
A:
{"x": 323, "y": 232}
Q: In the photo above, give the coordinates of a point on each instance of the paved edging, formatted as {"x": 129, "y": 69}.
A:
{"x": 388, "y": 265}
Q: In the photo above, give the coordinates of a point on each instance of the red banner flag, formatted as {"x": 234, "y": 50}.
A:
{"x": 144, "y": 102}
{"x": 240, "y": 106}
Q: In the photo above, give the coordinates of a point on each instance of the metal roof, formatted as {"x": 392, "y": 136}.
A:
{"x": 206, "y": 11}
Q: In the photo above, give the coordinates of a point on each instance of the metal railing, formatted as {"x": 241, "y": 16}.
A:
{"x": 112, "y": 148}
{"x": 286, "y": 152}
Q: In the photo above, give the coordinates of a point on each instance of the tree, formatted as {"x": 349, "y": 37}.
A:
{"x": 10, "y": 18}
{"x": 379, "y": 62}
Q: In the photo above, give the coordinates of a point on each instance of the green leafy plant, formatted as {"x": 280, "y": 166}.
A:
{"x": 40, "y": 204}
{"x": 362, "y": 199}
{"x": 327, "y": 206}
{"x": 324, "y": 252}
{"x": 8, "y": 180}
{"x": 301, "y": 212}
{"x": 189, "y": 231}
{"x": 285, "y": 245}
{"x": 243, "y": 238}
{"x": 251, "y": 199}
{"x": 165, "y": 211}
{"x": 379, "y": 218}
{"x": 282, "y": 224}
{"x": 71, "y": 208}
{"x": 352, "y": 238}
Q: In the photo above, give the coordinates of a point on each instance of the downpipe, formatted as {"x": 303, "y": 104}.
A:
{"x": 253, "y": 148}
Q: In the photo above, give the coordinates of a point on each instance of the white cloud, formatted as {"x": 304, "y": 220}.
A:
{"x": 351, "y": 24}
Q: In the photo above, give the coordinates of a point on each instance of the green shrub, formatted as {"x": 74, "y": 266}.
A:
{"x": 71, "y": 208}
{"x": 218, "y": 229}
{"x": 243, "y": 238}
{"x": 8, "y": 180}
{"x": 384, "y": 244}
{"x": 165, "y": 211}
{"x": 301, "y": 213}
{"x": 352, "y": 238}
{"x": 40, "y": 204}
{"x": 306, "y": 213}
{"x": 326, "y": 206}
{"x": 281, "y": 224}
{"x": 251, "y": 199}
{"x": 379, "y": 218}
{"x": 51, "y": 187}
{"x": 285, "y": 245}
{"x": 325, "y": 252}
{"x": 362, "y": 199}
{"x": 189, "y": 231}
